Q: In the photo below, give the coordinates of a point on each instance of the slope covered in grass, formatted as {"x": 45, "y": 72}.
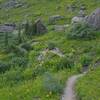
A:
{"x": 44, "y": 8}
{"x": 22, "y": 75}
{"x": 88, "y": 87}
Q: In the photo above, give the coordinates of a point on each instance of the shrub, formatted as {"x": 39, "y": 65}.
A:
{"x": 51, "y": 45}
{"x": 26, "y": 46}
{"x": 39, "y": 70}
{"x": 85, "y": 60}
{"x": 4, "y": 67}
{"x": 51, "y": 84}
{"x": 81, "y": 31}
{"x": 66, "y": 62}
{"x": 19, "y": 61}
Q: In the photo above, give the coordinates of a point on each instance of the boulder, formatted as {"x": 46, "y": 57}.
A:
{"x": 39, "y": 27}
{"x": 77, "y": 19}
{"x": 53, "y": 19}
{"x": 7, "y": 28}
{"x": 93, "y": 19}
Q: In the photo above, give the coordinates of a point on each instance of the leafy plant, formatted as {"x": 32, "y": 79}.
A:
{"x": 51, "y": 84}
{"x": 51, "y": 45}
{"x": 81, "y": 31}
{"x": 19, "y": 61}
{"x": 66, "y": 62}
{"x": 4, "y": 67}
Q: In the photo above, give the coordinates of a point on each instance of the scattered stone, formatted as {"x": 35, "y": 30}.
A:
{"x": 82, "y": 13}
{"x": 7, "y": 28}
{"x": 77, "y": 19}
{"x": 71, "y": 8}
{"x": 60, "y": 28}
{"x": 53, "y": 19}
{"x": 12, "y": 4}
{"x": 93, "y": 19}
{"x": 39, "y": 27}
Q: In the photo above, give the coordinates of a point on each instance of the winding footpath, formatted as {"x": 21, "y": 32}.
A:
{"x": 69, "y": 93}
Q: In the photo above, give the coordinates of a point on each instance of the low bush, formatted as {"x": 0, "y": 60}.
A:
{"x": 66, "y": 62}
{"x": 51, "y": 45}
{"x": 85, "y": 60}
{"x": 81, "y": 31}
{"x": 19, "y": 61}
{"x": 51, "y": 84}
{"x": 4, "y": 67}
{"x": 38, "y": 70}
{"x": 26, "y": 46}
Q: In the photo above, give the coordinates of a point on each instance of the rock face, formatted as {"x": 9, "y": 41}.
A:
{"x": 93, "y": 19}
{"x": 39, "y": 27}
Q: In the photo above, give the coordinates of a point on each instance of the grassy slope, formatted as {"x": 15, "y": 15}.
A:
{"x": 18, "y": 84}
{"x": 88, "y": 87}
{"x": 45, "y": 8}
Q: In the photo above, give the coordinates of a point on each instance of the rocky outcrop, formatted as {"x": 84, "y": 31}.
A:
{"x": 93, "y": 19}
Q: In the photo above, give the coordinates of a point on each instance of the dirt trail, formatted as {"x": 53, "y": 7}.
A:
{"x": 69, "y": 93}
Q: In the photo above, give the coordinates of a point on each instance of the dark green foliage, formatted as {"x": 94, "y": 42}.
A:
{"x": 85, "y": 60}
{"x": 19, "y": 61}
{"x": 4, "y": 67}
{"x": 66, "y": 62}
{"x": 17, "y": 50}
{"x": 39, "y": 70}
{"x": 51, "y": 84}
{"x": 51, "y": 45}
{"x": 26, "y": 46}
{"x": 27, "y": 28}
{"x": 6, "y": 39}
{"x": 81, "y": 31}
{"x": 19, "y": 35}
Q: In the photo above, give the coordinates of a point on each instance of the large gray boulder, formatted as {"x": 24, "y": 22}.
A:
{"x": 93, "y": 19}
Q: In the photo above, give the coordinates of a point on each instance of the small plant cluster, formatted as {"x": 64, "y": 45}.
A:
{"x": 66, "y": 63}
{"x": 51, "y": 84}
{"x": 81, "y": 31}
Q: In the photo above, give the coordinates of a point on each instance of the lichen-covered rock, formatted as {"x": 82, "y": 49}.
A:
{"x": 93, "y": 19}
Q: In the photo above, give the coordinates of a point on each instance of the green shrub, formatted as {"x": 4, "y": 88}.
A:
{"x": 13, "y": 76}
{"x": 26, "y": 46}
{"x": 51, "y": 45}
{"x": 19, "y": 61}
{"x": 81, "y": 31}
{"x": 66, "y": 62}
{"x": 38, "y": 70}
{"x": 4, "y": 67}
{"x": 17, "y": 50}
{"x": 85, "y": 60}
{"x": 51, "y": 84}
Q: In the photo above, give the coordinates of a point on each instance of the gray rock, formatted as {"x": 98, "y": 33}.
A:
{"x": 53, "y": 19}
{"x": 7, "y": 28}
{"x": 60, "y": 28}
{"x": 12, "y": 4}
{"x": 93, "y": 19}
{"x": 77, "y": 19}
{"x": 39, "y": 27}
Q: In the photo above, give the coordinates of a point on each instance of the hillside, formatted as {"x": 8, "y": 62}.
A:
{"x": 35, "y": 66}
